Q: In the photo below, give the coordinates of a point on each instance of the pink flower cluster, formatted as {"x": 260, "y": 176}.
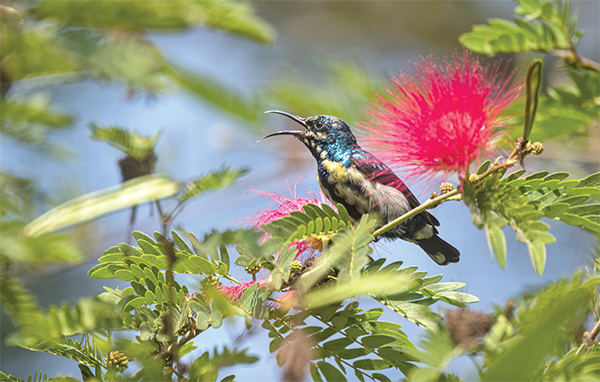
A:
{"x": 440, "y": 117}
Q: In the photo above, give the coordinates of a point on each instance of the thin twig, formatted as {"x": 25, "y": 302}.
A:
{"x": 429, "y": 203}
{"x": 228, "y": 277}
{"x": 163, "y": 218}
{"x": 189, "y": 335}
{"x": 572, "y": 58}
{"x": 589, "y": 337}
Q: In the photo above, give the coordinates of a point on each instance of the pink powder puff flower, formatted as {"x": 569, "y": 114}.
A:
{"x": 282, "y": 206}
{"x": 440, "y": 117}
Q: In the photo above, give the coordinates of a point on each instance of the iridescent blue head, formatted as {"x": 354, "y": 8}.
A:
{"x": 325, "y": 136}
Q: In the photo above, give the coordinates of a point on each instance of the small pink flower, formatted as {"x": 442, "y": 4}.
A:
{"x": 440, "y": 117}
{"x": 234, "y": 293}
{"x": 281, "y": 206}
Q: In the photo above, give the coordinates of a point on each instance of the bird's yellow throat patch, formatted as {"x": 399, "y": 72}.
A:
{"x": 337, "y": 172}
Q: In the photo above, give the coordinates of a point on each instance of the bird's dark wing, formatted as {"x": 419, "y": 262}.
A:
{"x": 377, "y": 171}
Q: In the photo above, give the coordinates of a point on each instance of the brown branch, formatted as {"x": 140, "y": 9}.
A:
{"x": 589, "y": 337}
{"x": 572, "y": 58}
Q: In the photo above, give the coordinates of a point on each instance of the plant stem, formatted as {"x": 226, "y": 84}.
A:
{"x": 573, "y": 59}
{"x": 231, "y": 278}
{"x": 188, "y": 336}
{"x": 429, "y": 203}
{"x": 589, "y": 337}
{"x": 163, "y": 218}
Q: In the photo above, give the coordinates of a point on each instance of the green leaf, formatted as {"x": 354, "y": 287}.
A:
{"x": 330, "y": 373}
{"x": 252, "y": 301}
{"x": 372, "y": 364}
{"x": 202, "y": 315}
{"x": 376, "y": 341}
{"x": 31, "y": 120}
{"x": 379, "y": 284}
{"x": 458, "y": 298}
{"x": 90, "y": 206}
{"x": 229, "y": 16}
{"x": 181, "y": 244}
{"x": 337, "y": 344}
{"x": 555, "y": 210}
{"x": 497, "y": 244}
{"x": 48, "y": 247}
{"x": 353, "y": 353}
{"x": 216, "y": 318}
{"x": 314, "y": 373}
{"x": 537, "y": 253}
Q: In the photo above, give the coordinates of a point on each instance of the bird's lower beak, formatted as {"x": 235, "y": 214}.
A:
{"x": 296, "y": 133}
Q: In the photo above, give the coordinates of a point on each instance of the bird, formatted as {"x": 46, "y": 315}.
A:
{"x": 363, "y": 184}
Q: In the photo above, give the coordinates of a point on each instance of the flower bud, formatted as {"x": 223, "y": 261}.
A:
{"x": 252, "y": 270}
{"x": 446, "y": 188}
{"x": 117, "y": 360}
{"x": 209, "y": 282}
{"x": 296, "y": 267}
{"x": 536, "y": 148}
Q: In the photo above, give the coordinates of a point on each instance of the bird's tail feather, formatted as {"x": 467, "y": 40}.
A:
{"x": 440, "y": 251}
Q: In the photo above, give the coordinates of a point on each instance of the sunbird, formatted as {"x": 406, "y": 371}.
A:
{"x": 363, "y": 184}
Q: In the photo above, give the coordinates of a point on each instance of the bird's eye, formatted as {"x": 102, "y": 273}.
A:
{"x": 319, "y": 124}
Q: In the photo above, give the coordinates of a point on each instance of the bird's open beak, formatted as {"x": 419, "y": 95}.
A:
{"x": 296, "y": 133}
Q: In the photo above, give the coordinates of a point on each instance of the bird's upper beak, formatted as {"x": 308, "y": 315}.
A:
{"x": 296, "y": 133}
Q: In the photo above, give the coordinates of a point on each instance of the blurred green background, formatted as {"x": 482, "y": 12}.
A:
{"x": 202, "y": 75}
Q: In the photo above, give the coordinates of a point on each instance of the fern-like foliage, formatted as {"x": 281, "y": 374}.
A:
{"x": 315, "y": 223}
{"x": 129, "y": 263}
{"x": 207, "y": 366}
{"x": 127, "y": 141}
{"x": 437, "y": 352}
{"x": 35, "y": 378}
{"x": 212, "y": 181}
{"x": 579, "y": 364}
{"x": 344, "y": 341}
{"x": 420, "y": 292}
{"x": 520, "y": 203}
{"x": 539, "y": 334}
{"x": 543, "y": 26}
{"x": 150, "y": 296}
{"x": 51, "y": 331}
